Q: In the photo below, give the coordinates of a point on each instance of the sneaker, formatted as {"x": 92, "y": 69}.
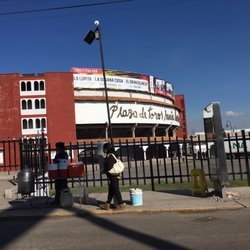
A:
{"x": 119, "y": 207}
{"x": 105, "y": 206}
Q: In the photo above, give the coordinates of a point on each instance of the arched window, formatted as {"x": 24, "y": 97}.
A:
{"x": 23, "y": 86}
{"x": 36, "y": 86}
{"x": 43, "y": 104}
{"x": 25, "y": 124}
{"x": 24, "y": 104}
{"x": 37, "y": 104}
{"x": 28, "y": 86}
{"x": 30, "y": 123}
{"x": 41, "y": 85}
{"x": 38, "y": 123}
{"x": 29, "y": 104}
{"x": 43, "y": 123}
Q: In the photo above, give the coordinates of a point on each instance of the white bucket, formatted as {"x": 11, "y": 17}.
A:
{"x": 136, "y": 196}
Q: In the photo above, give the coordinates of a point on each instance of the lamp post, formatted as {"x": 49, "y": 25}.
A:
{"x": 89, "y": 38}
{"x": 229, "y": 125}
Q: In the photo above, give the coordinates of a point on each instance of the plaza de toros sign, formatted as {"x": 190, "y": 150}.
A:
{"x": 126, "y": 113}
{"x": 143, "y": 113}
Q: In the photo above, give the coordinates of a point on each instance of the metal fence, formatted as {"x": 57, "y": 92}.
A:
{"x": 9, "y": 155}
{"x": 150, "y": 161}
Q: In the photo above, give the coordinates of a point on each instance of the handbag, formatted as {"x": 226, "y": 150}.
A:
{"x": 117, "y": 168}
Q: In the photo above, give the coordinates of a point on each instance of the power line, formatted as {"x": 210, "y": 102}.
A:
{"x": 64, "y": 7}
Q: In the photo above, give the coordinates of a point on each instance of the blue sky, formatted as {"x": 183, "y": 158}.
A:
{"x": 201, "y": 46}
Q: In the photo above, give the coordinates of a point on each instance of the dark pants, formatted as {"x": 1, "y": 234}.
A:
{"x": 60, "y": 184}
{"x": 114, "y": 190}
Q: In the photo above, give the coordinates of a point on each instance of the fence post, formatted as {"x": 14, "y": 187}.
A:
{"x": 246, "y": 156}
{"x": 42, "y": 146}
{"x": 151, "y": 169}
{"x": 21, "y": 153}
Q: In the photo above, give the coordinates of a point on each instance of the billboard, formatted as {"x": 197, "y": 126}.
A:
{"x": 162, "y": 87}
{"x": 93, "y": 78}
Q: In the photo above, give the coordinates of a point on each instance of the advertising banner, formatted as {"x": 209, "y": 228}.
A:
{"x": 163, "y": 88}
{"x": 93, "y": 78}
{"x": 151, "y": 82}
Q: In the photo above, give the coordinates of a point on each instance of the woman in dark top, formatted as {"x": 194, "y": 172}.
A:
{"x": 114, "y": 191}
{"x": 60, "y": 183}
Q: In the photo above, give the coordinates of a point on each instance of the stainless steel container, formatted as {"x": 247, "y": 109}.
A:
{"x": 25, "y": 181}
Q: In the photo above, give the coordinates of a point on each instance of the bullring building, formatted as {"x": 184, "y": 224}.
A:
{"x": 71, "y": 106}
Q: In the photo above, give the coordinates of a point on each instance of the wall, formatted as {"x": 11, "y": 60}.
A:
{"x": 60, "y": 107}
{"x": 10, "y": 124}
{"x": 180, "y": 103}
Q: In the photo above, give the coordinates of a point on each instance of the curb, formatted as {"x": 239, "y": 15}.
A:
{"x": 60, "y": 212}
{"x": 162, "y": 210}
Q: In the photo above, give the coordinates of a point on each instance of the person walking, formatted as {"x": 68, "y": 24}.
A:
{"x": 114, "y": 191}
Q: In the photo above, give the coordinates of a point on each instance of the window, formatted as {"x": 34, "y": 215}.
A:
{"x": 42, "y": 104}
{"x": 43, "y": 123}
{"x": 38, "y": 123}
{"x": 41, "y": 85}
{"x": 30, "y": 123}
{"x": 25, "y": 124}
{"x": 24, "y": 104}
{"x": 36, "y": 86}
{"x": 28, "y": 86}
{"x": 29, "y": 104}
{"x": 37, "y": 104}
{"x": 23, "y": 86}
{"x": 32, "y": 86}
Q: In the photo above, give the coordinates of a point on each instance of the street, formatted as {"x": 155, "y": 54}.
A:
{"x": 228, "y": 229}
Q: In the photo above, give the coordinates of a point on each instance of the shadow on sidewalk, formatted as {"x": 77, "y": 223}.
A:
{"x": 185, "y": 192}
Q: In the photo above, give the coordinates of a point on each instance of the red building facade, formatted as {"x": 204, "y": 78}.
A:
{"x": 57, "y": 105}
{"x": 32, "y": 104}
{"x": 180, "y": 103}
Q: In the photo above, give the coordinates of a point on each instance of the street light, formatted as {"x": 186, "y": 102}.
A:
{"x": 229, "y": 125}
{"x": 89, "y": 38}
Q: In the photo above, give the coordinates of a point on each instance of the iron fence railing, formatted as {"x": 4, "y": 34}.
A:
{"x": 9, "y": 155}
{"x": 146, "y": 162}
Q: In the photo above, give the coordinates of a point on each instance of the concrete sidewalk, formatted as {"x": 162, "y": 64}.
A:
{"x": 153, "y": 202}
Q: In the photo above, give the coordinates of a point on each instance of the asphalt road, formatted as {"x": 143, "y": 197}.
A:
{"x": 209, "y": 230}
